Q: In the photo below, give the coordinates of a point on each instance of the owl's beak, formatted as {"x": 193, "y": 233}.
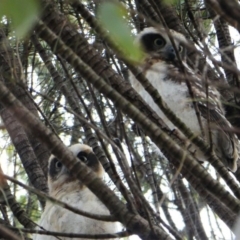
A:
{"x": 169, "y": 53}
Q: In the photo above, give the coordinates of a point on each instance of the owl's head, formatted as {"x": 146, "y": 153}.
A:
{"x": 61, "y": 180}
{"x": 156, "y": 43}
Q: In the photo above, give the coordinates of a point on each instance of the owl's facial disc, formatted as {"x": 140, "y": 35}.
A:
{"x": 59, "y": 177}
{"x": 57, "y": 169}
{"x": 157, "y": 46}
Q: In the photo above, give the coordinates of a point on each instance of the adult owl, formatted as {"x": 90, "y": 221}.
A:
{"x": 161, "y": 67}
{"x": 64, "y": 187}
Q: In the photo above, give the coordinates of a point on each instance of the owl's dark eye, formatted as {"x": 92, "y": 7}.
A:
{"x": 159, "y": 42}
{"x": 55, "y": 168}
{"x": 180, "y": 48}
{"x": 83, "y": 157}
{"x": 58, "y": 165}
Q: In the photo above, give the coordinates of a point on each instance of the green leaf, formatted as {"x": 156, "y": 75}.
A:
{"x": 21, "y": 12}
{"x": 113, "y": 18}
{"x": 171, "y": 2}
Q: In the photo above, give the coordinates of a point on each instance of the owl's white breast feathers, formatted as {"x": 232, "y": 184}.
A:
{"x": 59, "y": 219}
{"x": 174, "y": 94}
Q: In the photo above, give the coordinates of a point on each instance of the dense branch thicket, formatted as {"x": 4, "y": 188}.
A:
{"x": 66, "y": 82}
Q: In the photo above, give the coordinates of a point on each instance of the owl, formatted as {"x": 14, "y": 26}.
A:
{"x": 64, "y": 187}
{"x": 161, "y": 67}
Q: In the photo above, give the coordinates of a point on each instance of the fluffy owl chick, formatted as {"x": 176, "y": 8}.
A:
{"x": 64, "y": 187}
{"x": 161, "y": 62}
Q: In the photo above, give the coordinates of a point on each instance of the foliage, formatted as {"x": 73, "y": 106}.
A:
{"x": 22, "y": 14}
{"x": 71, "y": 71}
